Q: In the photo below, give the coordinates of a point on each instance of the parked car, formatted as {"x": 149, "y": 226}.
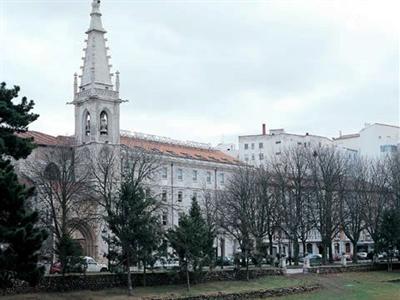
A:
{"x": 315, "y": 259}
{"x": 93, "y": 266}
{"x": 225, "y": 261}
{"x": 56, "y": 268}
{"x": 172, "y": 264}
{"x": 362, "y": 255}
{"x": 79, "y": 265}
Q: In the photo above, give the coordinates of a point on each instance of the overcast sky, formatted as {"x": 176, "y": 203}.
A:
{"x": 211, "y": 70}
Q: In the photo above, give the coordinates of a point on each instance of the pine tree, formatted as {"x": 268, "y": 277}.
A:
{"x": 389, "y": 234}
{"x": 190, "y": 240}
{"x": 20, "y": 238}
{"x": 133, "y": 221}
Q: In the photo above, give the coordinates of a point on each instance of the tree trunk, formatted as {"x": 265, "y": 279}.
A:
{"x": 130, "y": 289}
{"x": 324, "y": 256}
{"x": 271, "y": 249}
{"x": 144, "y": 273}
{"x": 355, "y": 251}
{"x": 330, "y": 252}
{"x": 296, "y": 249}
{"x": 247, "y": 265}
{"x": 187, "y": 276}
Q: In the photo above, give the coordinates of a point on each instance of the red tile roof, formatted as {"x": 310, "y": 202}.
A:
{"x": 43, "y": 139}
{"x": 179, "y": 150}
{"x": 169, "y": 149}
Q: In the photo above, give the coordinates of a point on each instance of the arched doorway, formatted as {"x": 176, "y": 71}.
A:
{"x": 84, "y": 235}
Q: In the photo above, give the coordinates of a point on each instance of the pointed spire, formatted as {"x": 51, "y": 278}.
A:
{"x": 96, "y": 67}
{"x": 95, "y": 17}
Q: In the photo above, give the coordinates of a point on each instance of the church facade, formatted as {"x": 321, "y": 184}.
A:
{"x": 186, "y": 170}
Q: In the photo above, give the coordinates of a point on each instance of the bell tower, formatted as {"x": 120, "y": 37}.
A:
{"x": 96, "y": 97}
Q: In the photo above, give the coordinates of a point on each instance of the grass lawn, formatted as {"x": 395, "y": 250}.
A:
{"x": 366, "y": 285}
{"x": 354, "y": 286}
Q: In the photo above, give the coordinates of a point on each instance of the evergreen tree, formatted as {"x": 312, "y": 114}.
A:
{"x": 20, "y": 238}
{"x": 389, "y": 234}
{"x": 133, "y": 221}
{"x": 190, "y": 240}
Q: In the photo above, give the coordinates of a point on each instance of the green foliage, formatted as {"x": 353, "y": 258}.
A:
{"x": 389, "y": 231}
{"x": 191, "y": 239}
{"x": 134, "y": 225}
{"x": 14, "y": 118}
{"x": 69, "y": 252}
{"x": 133, "y": 220}
{"x": 20, "y": 238}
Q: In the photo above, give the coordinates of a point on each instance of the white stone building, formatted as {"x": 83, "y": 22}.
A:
{"x": 373, "y": 141}
{"x": 257, "y": 149}
{"x": 187, "y": 169}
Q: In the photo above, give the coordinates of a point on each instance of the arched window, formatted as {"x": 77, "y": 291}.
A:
{"x": 51, "y": 172}
{"x": 103, "y": 123}
{"x": 87, "y": 123}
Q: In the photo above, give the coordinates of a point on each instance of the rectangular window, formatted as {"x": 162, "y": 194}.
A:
{"x": 164, "y": 196}
{"x": 194, "y": 175}
{"x": 180, "y": 196}
{"x": 260, "y": 145}
{"x": 222, "y": 178}
{"x": 388, "y": 148}
{"x": 180, "y": 174}
{"x": 277, "y": 142}
{"x": 278, "y": 153}
{"x": 246, "y": 146}
{"x": 261, "y": 156}
{"x": 164, "y": 173}
{"x": 252, "y": 146}
{"x": 208, "y": 177}
{"x": 165, "y": 218}
{"x": 246, "y": 158}
{"x": 252, "y": 157}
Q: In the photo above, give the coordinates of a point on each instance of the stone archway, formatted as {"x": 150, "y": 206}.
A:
{"x": 85, "y": 236}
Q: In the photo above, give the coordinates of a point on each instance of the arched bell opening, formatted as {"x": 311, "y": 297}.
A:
{"x": 103, "y": 123}
{"x": 86, "y": 124}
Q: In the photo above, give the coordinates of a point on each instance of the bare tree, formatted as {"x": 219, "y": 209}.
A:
{"x": 378, "y": 198}
{"x": 327, "y": 167}
{"x": 292, "y": 173}
{"x": 234, "y": 213}
{"x": 210, "y": 212}
{"x": 105, "y": 169}
{"x": 61, "y": 176}
{"x": 263, "y": 209}
{"x": 392, "y": 163}
{"x": 357, "y": 192}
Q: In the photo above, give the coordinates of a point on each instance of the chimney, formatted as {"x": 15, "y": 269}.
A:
{"x": 264, "y": 131}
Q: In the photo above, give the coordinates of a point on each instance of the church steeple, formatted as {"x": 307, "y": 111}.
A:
{"x": 96, "y": 68}
{"x": 96, "y": 101}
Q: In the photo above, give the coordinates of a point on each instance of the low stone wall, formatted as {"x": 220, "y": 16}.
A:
{"x": 277, "y": 292}
{"x": 351, "y": 268}
{"x": 75, "y": 282}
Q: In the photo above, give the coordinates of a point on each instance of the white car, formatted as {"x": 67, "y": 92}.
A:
{"x": 362, "y": 255}
{"x": 93, "y": 266}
